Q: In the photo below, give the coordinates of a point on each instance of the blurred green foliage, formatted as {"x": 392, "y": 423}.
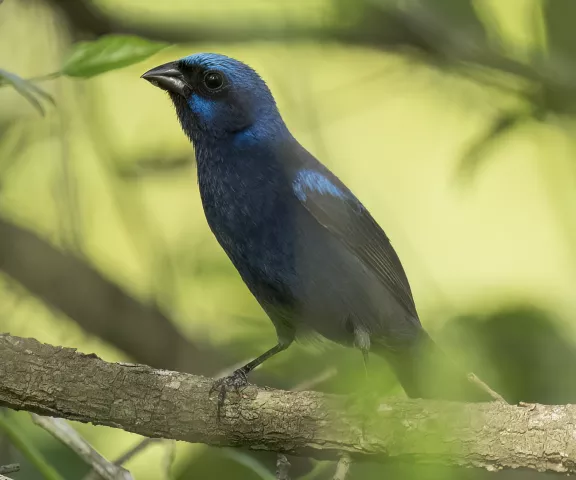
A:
{"x": 27, "y": 89}
{"x": 398, "y": 97}
{"x": 110, "y": 52}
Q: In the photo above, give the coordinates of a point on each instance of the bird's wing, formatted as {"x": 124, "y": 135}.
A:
{"x": 342, "y": 214}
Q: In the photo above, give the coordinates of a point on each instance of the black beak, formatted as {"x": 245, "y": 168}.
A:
{"x": 167, "y": 77}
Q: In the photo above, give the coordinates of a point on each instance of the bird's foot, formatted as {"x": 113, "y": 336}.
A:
{"x": 237, "y": 381}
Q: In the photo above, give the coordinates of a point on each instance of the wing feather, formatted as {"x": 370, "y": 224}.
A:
{"x": 342, "y": 214}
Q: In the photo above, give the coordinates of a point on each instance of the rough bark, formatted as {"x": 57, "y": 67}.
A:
{"x": 60, "y": 382}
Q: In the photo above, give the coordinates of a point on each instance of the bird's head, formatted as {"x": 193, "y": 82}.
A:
{"x": 215, "y": 95}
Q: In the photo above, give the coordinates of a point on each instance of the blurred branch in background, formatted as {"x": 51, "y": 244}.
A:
{"x": 160, "y": 403}
{"x": 154, "y": 166}
{"x": 138, "y": 448}
{"x": 449, "y": 32}
{"x": 99, "y": 306}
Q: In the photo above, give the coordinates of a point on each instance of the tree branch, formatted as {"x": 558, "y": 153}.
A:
{"x": 60, "y": 382}
{"x": 12, "y": 468}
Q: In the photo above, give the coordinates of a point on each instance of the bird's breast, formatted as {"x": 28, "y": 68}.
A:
{"x": 251, "y": 217}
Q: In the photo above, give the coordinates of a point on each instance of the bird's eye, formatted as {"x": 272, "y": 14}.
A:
{"x": 213, "y": 80}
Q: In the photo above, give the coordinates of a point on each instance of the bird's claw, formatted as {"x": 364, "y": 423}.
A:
{"x": 236, "y": 381}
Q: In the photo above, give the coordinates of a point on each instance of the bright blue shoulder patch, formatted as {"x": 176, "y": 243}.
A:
{"x": 310, "y": 180}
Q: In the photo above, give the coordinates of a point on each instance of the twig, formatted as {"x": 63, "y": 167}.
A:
{"x": 342, "y": 467}
{"x": 135, "y": 450}
{"x": 495, "y": 395}
{"x": 282, "y": 467}
{"x": 122, "y": 459}
{"x": 61, "y": 430}
{"x": 13, "y": 467}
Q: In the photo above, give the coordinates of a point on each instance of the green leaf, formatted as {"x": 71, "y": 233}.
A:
{"x": 27, "y": 89}
{"x": 109, "y": 52}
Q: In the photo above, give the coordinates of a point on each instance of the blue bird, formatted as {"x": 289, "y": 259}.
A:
{"x": 308, "y": 250}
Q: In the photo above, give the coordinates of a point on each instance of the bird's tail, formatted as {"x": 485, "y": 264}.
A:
{"x": 424, "y": 371}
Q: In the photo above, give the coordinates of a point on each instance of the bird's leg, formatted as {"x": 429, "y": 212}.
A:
{"x": 365, "y": 357}
{"x": 239, "y": 378}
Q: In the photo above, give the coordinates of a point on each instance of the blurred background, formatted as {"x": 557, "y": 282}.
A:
{"x": 452, "y": 120}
